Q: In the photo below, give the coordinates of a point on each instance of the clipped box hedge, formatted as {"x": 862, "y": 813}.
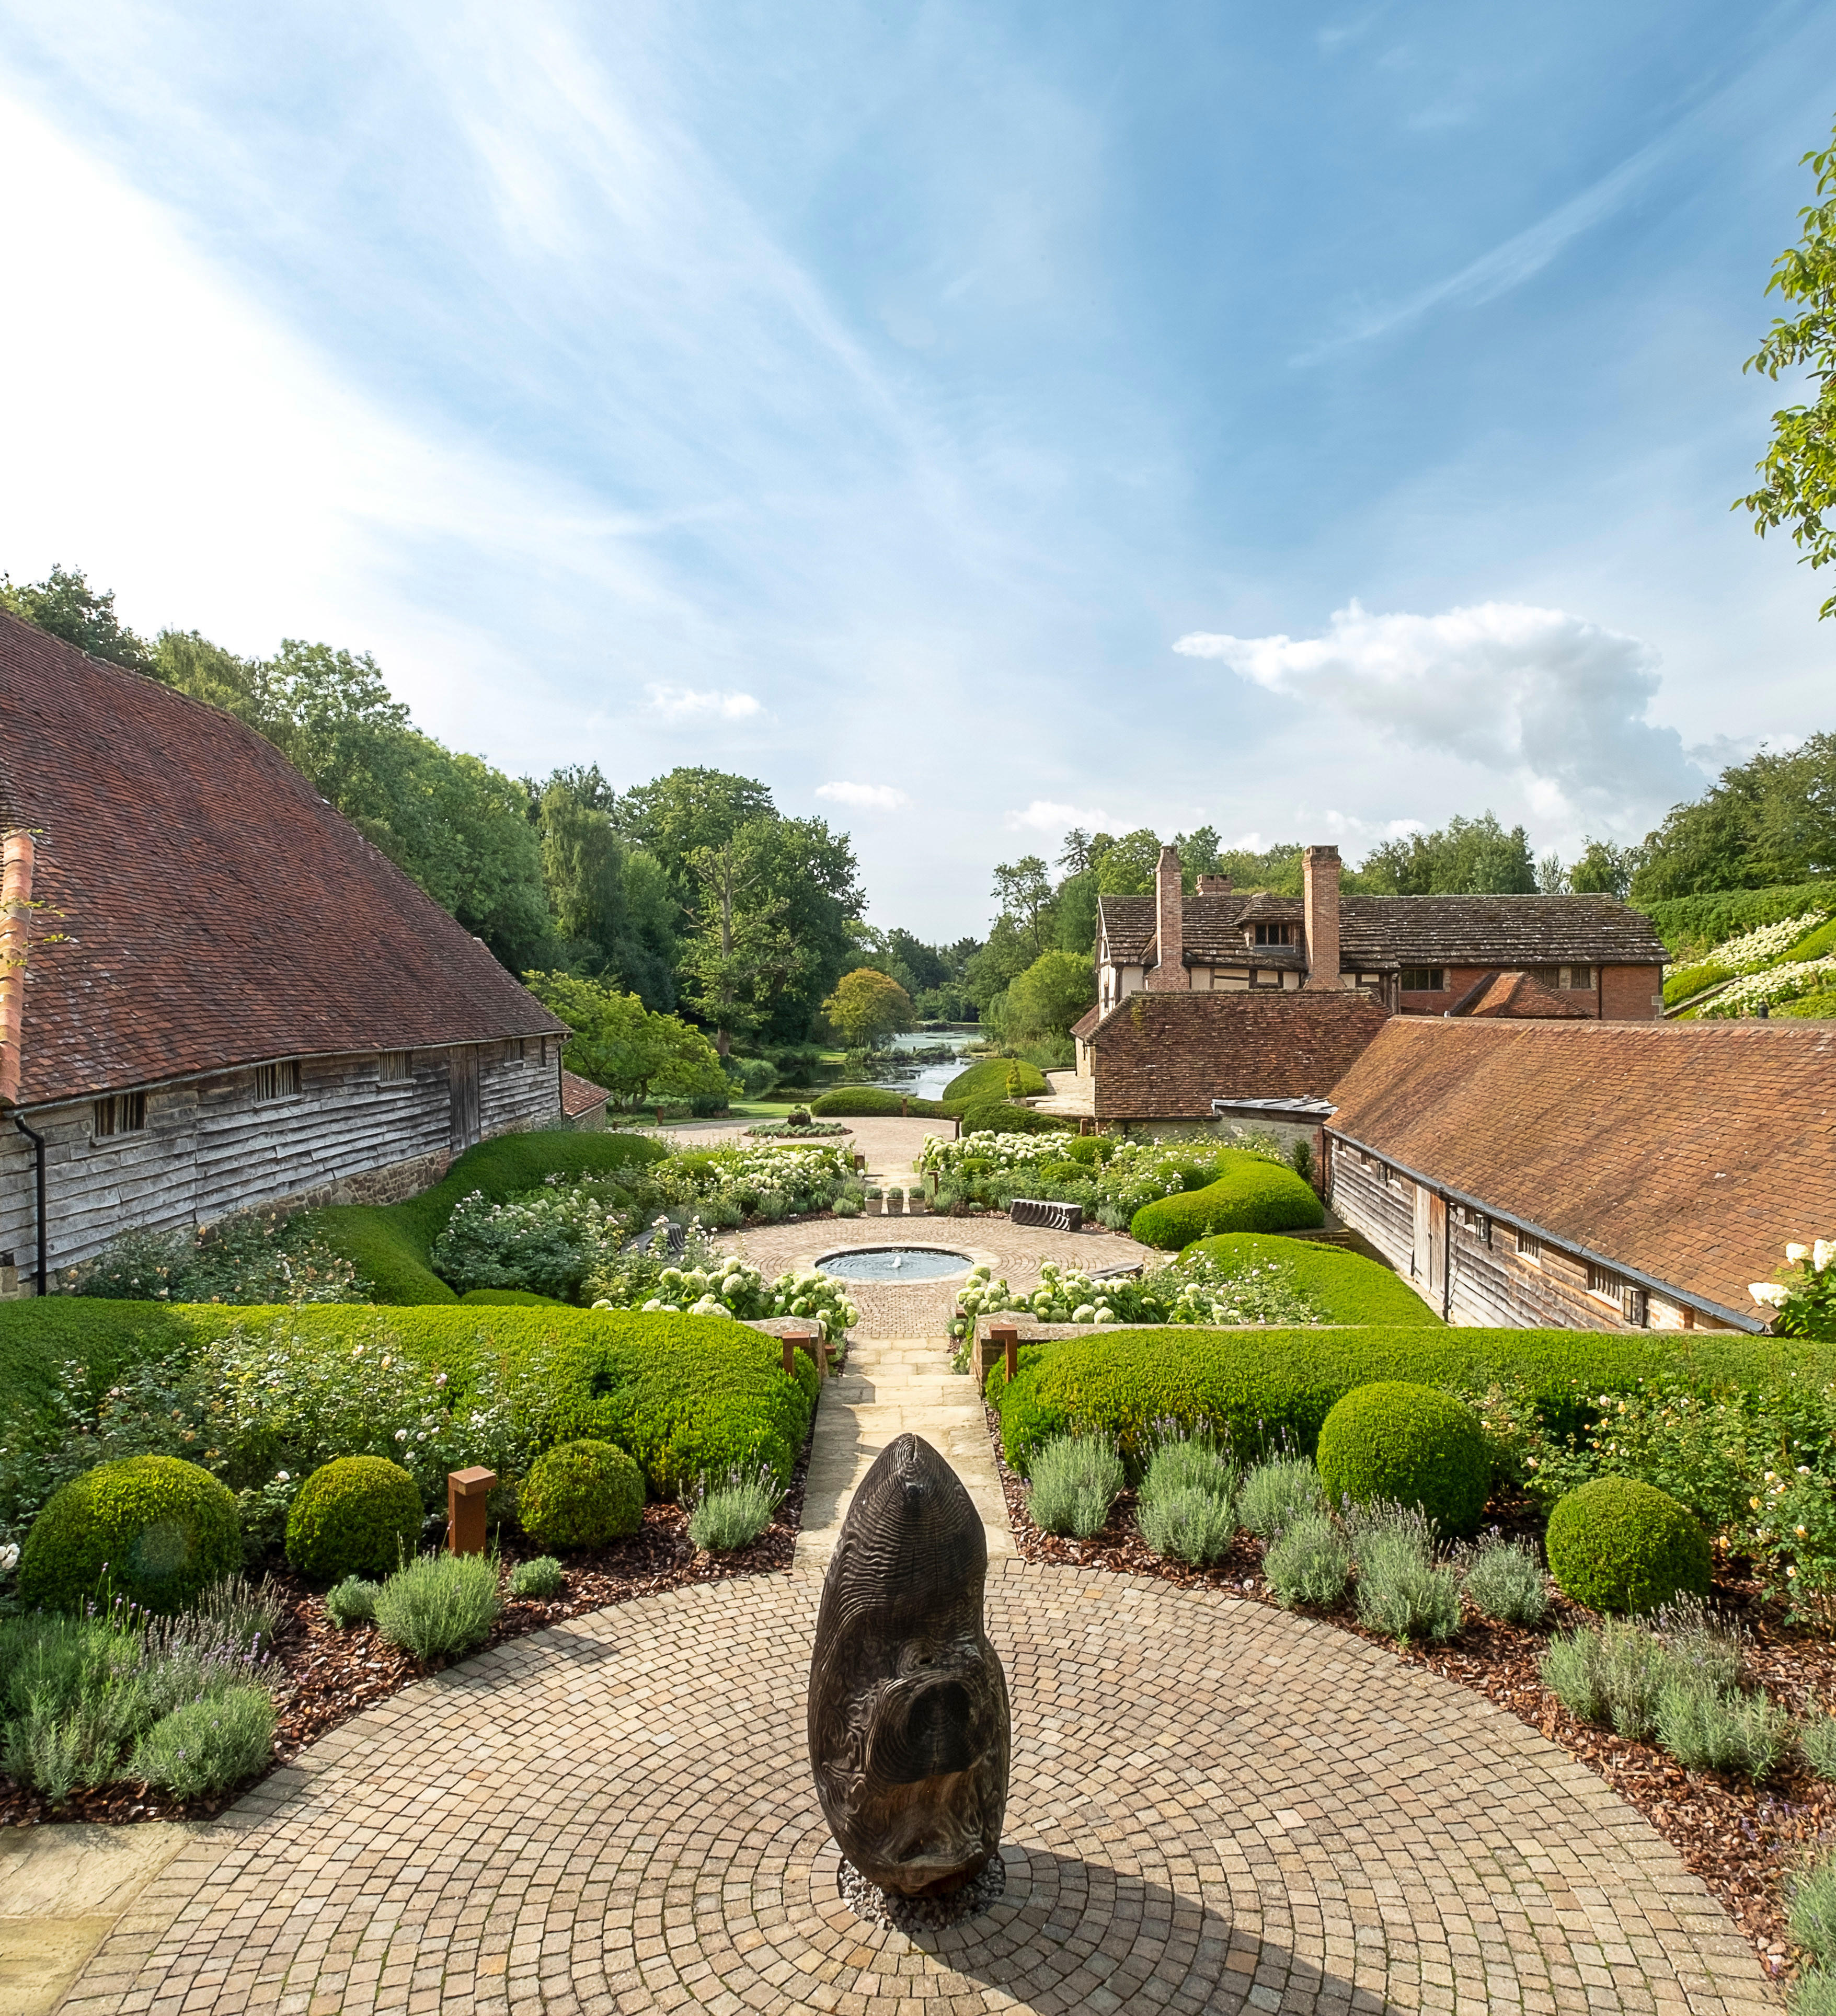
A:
{"x": 1249, "y": 1193}
{"x": 988, "y": 1079}
{"x": 1346, "y": 1287}
{"x": 1264, "y": 1386}
{"x": 1000, "y": 1116}
{"x": 683, "y": 1396}
{"x": 863, "y": 1102}
{"x": 389, "y": 1244}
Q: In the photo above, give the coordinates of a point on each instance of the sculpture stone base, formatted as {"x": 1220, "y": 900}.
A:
{"x": 931, "y": 1912}
{"x": 909, "y": 1733}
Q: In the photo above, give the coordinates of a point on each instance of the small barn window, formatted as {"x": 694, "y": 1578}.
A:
{"x": 392, "y": 1067}
{"x": 1604, "y": 1282}
{"x": 280, "y": 1081}
{"x": 520, "y": 1050}
{"x": 1273, "y": 935}
{"x": 1575, "y": 977}
{"x": 1529, "y": 1247}
{"x": 1423, "y": 979}
{"x": 122, "y": 1112}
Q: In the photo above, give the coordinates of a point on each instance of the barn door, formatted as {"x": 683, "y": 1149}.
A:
{"x": 463, "y": 1082}
{"x": 1436, "y": 1281}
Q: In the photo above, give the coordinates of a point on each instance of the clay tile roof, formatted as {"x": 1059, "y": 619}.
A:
{"x": 1380, "y": 931}
{"x": 580, "y": 1095}
{"x": 217, "y": 911}
{"x": 1520, "y": 995}
{"x": 1688, "y": 1151}
{"x": 1168, "y": 1055}
{"x": 1087, "y": 1021}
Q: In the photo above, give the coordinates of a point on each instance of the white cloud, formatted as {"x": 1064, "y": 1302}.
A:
{"x": 1553, "y": 701}
{"x": 876, "y": 797}
{"x": 685, "y": 703}
{"x": 1043, "y": 816}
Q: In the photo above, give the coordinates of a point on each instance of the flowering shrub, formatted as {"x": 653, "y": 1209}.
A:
{"x": 708, "y": 1282}
{"x": 1777, "y": 983}
{"x": 1805, "y": 1300}
{"x": 1198, "y": 1289}
{"x": 261, "y": 1258}
{"x": 803, "y": 1178}
{"x": 545, "y": 1240}
{"x": 991, "y": 1170}
{"x": 1753, "y": 949}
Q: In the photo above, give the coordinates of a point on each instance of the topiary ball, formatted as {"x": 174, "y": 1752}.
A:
{"x": 1616, "y": 1544}
{"x": 357, "y": 1515}
{"x": 162, "y": 1529}
{"x": 581, "y": 1494}
{"x": 1409, "y": 1445}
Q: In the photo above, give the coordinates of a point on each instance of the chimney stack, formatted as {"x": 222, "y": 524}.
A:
{"x": 15, "y": 918}
{"x": 1320, "y": 873}
{"x": 1214, "y": 885}
{"x": 1170, "y": 976}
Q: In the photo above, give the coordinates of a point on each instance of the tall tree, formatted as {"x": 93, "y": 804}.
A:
{"x": 1798, "y": 472}
{"x": 1604, "y": 869}
{"x": 742, "y": 952}
{"x": 1467, "y": 857}
{"x": 64, "y": 603}
{"x": 1771, "y": 819}
{"x": 1023, "y": 888}
{"x": 867, "y": 1005}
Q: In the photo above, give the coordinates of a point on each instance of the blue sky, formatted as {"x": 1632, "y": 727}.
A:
{"x": 971, "y": 420}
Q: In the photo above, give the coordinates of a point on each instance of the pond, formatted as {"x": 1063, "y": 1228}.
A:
{"x": 894, "y": 1263}
{"x": 922, "y": 1080}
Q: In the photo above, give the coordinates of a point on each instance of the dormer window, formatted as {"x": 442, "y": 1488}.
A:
{"x": 1266, "y": 935}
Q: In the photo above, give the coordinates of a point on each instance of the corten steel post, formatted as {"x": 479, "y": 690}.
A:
{"x": 1008, "y": 1337}
{"x": 466, "y": 1490}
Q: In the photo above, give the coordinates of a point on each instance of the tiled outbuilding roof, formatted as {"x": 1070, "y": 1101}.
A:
{"x": 1378, "y": 934}
{"x": 216, "y": 911}
{"x": 1520, "y": 996}
{"x": 1167, "y": 1056}
{"x": 1087, "y": 1021}
{"x": 580, "y": 1095}
{"x": 1688, "y": 1151}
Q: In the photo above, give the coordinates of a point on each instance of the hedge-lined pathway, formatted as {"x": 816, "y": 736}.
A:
{"x": 891, "y": 1387}
{"x": 1214, "y": 1805}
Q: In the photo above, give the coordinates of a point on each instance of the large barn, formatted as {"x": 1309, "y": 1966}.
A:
{"x": 221, "y": 996}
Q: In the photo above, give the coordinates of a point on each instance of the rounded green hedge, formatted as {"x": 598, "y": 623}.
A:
{"x": 1409, "y": 1445}
{"x": 1617, "y": 1545}
{"x": 509, "y": 1298}
{"x": 872, "y": 1101}
{"x": 987, "y": 1078}
{"x": 581, "y": 1494}
{"x": 1249, "y": 1195}
{"x": 1345, "y": 1286}
{"x": 356, "y": 1515}
{"x": 997, "y": 1116}
{"x": 162, "y": 1529}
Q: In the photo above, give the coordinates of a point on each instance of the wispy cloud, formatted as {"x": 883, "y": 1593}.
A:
{"x": 684, "y": 704}
{"x": 1518, "y": 259}
{"x": 866, "y": 797}
{"x": 1549, "y": 700}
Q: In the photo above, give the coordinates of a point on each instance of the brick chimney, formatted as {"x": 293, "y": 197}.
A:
{"x": 16, "y": 917}
{"x": 1214, "y": 885}
{"x": 1170, "y": 977}
{"x": 1319, "y": 873}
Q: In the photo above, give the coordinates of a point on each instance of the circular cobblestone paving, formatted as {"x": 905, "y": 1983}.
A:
{"x": 1214, "y": 1805}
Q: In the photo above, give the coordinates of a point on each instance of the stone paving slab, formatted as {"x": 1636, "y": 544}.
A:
{"x": 1215, "y": 1806}
{"x": 891, "y": 1387}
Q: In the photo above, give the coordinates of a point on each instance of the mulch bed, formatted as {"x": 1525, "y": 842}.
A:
{"x": 1744, "y": 1841}
{"x": 327, "y": 1675}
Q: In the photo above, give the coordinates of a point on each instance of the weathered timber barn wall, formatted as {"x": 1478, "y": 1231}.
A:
{"x": 1481, "y": 1275}
{"x": 362, "y": 1129}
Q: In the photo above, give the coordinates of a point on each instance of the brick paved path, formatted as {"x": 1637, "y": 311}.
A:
{"x": 1214, "y": 1805}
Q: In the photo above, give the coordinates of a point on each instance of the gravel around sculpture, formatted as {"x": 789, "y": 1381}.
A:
{"x": 909, "y": 1731}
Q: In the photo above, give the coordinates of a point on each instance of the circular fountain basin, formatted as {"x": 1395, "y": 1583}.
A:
{"x": 895, "y": 1264}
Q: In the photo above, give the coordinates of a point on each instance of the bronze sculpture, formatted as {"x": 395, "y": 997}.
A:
{"x": 909, "y": 1724}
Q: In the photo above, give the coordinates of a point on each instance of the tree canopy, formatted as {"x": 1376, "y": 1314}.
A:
{"x": 1770, "y": 820}
{"x": 619, "y": 1043}
{"x": 1798, "y": 472}
{"x": 867, "y": 1005}
{"x": 1466, "y": 857}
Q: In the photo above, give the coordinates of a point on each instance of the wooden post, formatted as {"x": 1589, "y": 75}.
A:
{"x": 810, "y": 1340}
{"x": 1008, "y": 1337}
{"x": 904, "y": 1108}
{"x": 790, "y": 1352}
{"x": 467, "y": 1491}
